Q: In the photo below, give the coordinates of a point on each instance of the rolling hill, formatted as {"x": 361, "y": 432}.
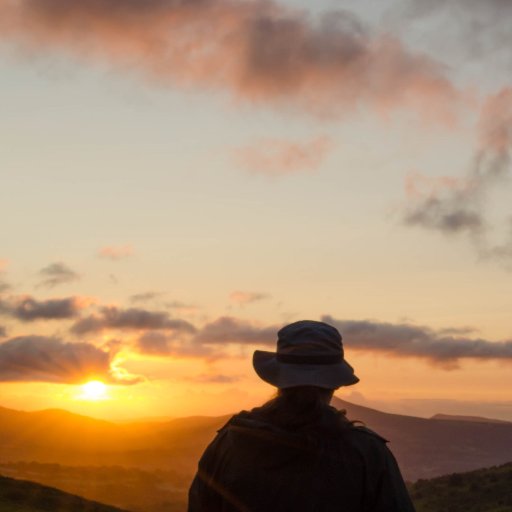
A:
{"x": 23, "y": 496}
{"x": 477, "y": 419}
{"x": 483, "y": 490}
{"x": 425, "y": 448}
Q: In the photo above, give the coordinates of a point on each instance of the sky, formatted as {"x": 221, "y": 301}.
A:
{"x": 180, "y": 179}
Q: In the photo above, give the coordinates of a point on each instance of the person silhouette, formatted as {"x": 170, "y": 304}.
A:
{"x": 296, "y": 453}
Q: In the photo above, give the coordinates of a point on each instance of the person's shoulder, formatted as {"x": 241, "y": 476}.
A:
{"x": 366, "y": 441}
{"x": 238, "y": 418}
{"x": 241, "y": 420}
{"x": 364, "y": 433}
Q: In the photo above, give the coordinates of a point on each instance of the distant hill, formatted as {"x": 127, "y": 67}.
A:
{"x": 62, "y": 437}
{"x": 484, "y": 490}
{"x": 425, "y": 448}
{"x": 477, "y": 419}
{"x": 23, "y": 496}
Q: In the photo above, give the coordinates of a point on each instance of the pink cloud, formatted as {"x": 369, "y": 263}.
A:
{"x": 256, "y": 50}
{"x": 496, "y": 123}
{"x": 277, "y": 157}
{"x": 115, "y": 253}
{"x": 421, "y": 186}
{"x": 460, "y": 205}
{"x": 242, "y": 298}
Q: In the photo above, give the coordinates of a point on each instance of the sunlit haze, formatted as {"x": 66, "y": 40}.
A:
{"x": 168, "y": 204}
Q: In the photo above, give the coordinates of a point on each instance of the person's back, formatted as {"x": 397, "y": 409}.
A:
{"x": 296, "y": 453}
{"x": 321, "y": 464}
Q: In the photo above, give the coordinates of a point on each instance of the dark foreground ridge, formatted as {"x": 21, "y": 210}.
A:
{"x": 24, "y": 496}
{"x": 486, "y": 490}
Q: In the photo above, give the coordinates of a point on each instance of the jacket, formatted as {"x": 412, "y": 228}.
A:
{"x": 332, "y": 466}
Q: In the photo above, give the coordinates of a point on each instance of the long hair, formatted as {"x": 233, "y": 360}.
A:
{"x": 300, "y": 407}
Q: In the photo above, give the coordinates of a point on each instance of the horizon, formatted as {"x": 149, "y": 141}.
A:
{"x": 455, "y": 410}
{"x": 171, "y": 197}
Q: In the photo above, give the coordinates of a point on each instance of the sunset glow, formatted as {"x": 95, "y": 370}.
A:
{"x": 206, "y": 187}
{"x": 94, "y": 390}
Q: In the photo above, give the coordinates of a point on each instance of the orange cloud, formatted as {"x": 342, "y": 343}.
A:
{"x": 277, "y": 157}
{"x": 115, "y": 253}
{"x": 257, "y": 50}
{"x": 43, "y": 359}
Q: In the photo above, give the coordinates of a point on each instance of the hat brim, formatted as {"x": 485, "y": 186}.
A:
{"x": 287, "y": 375}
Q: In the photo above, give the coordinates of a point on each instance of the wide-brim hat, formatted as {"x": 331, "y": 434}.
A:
{"x": 309, "y": 353}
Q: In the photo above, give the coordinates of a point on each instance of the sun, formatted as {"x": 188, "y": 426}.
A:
{"x": 94, "y": 390}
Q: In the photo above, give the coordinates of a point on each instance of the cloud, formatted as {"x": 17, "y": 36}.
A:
{"x": 275, "y": 157}
{"x": 215, "y": 379}
{"x": 454, "y": 209}
{"x": 258, "y": 51}
{"x": 154, "y": 343}
{"x": 4, "y": 286}
{"x": 56, "y": 274}
{"x": 115, "y": 253}
{"x": 3, "y": 331}
{"x": 165, "y": 345}
{"x": 406, "y": 340}
{"x": 454, "y": 206}
{"x": 232, "y": 330}
{"x": 130, "y": 319}
{"x": 43, "y": 359}
{"x": 145, "y": 297}
{"x": 444, "y": 348}
{"x": 209, "y": 341}
{"x": 243, "y": 298}
{"x": 182, "y": 307}
{"x": 478, "y": 29}
{"x": 28, "y": 309}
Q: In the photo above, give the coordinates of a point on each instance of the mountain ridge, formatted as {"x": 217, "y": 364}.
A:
{"x": 459, "y": 417}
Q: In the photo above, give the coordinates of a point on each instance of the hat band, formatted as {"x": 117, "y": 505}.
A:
{"x": 299, "y": 359}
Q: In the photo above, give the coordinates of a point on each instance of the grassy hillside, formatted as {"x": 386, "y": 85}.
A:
{"x": 23, "y": 496}
{"x": 131, "y": 488}
{"x": 484, "y": 490}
